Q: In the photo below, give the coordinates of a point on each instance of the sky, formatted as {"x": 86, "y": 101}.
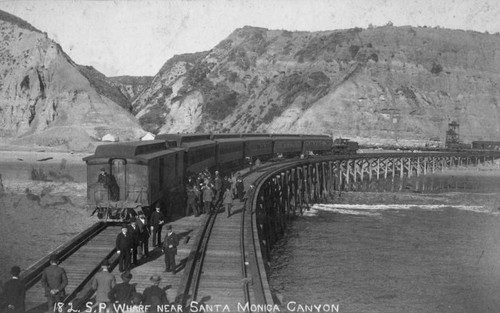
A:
{"x": 137, "y": 37}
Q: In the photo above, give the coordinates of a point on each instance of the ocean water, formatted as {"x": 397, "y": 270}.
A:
{"x": 385, "y": 257}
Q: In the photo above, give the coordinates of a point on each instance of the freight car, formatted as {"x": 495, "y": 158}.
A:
{"x": 123, "y": 178}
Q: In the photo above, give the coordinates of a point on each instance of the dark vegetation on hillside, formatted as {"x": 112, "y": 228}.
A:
{"x": 100, "y": 82}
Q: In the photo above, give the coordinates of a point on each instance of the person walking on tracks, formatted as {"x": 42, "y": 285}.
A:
{"x": 103, "y": 282}
{"x": 14, "y": 292}
{"x": 143, "y": 235}
{"x": 124, "y": 243}
{"x": 156, "y": 222}
{"x": 54, "y": 280}
{"x": 240, "y": 188}
{"x": 154, "y": 295}
{"x": 122, "y": 293}
{"x": 228, "y": 201}
{"x": 170, "y": 248}
{"x": 191, "y": 206}
{"x": 208, "y": 197}
{"x": 134, "y": 232}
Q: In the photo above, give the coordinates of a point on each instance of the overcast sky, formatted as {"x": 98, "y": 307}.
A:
{"x": 138, "y": 37}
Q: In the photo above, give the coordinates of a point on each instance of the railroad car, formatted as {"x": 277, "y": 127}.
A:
{"x": 317, "y": 144}
{"x": 139, "y": 175}
{"x": 123, "y": 176}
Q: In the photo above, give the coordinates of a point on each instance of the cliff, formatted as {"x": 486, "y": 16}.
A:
{"x": 379, "y": 84}
{"x": 45, "y": 99}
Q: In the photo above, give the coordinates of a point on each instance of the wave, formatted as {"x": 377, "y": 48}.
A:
{"x": 371, "y": 209}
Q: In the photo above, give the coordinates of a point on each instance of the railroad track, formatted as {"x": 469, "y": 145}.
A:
{"x": 81, "y": 257}
{"x": 223, "y": 271}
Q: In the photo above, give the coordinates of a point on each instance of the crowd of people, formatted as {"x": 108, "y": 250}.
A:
{"x": 207, "y": 193}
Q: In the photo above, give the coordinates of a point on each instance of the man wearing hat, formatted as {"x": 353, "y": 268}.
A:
{"x": 103, "y": 282}
{"x": 142, "y": 223}
{"x": 123, "y": 245}
{"x": 14, "y": 292}
{"x": 170, "y": 248}
{"x": 54, "y": 280}
{"x": 124, "y": 292}
{"x": 134, "y": 232}
{"x": 154, "y": 295}
{"x": 156, "y": 222}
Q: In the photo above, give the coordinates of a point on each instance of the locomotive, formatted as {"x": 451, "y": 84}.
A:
{"x": 126, "y": 177}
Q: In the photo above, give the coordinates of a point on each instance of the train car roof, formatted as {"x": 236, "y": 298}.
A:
{"x": 198, "y": 144}
{"x": 316, "y": 136}
{"x": 286, "y": 135}
{"x": 127, "y": 149}
{"x": 184, "y": 137}
{"x": 255, "y": 135}
{"x": 286, "y": 138}
{"x": 150, "y": 156}
{"x": 225, "y": 135}
{"x": 224, "y": 140}
{"x": 258, "y": 138}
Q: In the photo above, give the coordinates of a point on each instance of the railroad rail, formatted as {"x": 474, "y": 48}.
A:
{"x": 81, "y": 257}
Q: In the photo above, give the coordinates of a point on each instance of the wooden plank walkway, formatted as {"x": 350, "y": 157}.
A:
{"x": 187, "y": 229}
{"x": 221, "y": 281}
{"x": 78, "y": 266}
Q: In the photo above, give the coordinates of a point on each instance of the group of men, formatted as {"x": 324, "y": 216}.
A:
{"x": 206, "y": 193}
{"x": 133, "y": 240}
{"x": 107, "y": 291}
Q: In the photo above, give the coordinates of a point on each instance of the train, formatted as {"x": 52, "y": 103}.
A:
{"x": 126, "y": 177}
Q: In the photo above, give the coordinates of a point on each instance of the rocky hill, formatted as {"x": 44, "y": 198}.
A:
{"x": 131, "y": 86}
{"x": 47, "y": 99}
{"x": 384, "y": 83}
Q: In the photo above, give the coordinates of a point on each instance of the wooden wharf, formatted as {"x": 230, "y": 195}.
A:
{"x": 231, "y": 266}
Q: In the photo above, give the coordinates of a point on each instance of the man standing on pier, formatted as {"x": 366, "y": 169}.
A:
{"x": 14, "y": 292}
{"x": 170, "y": 248}
{"x": 156, "y": 222}
{"x": 54, "y": 280}
{"x": 103, "y": 282}
{"x": 143, "y": 235}
{"x": 135, "y": 235}
{"x": 123, "y": 246}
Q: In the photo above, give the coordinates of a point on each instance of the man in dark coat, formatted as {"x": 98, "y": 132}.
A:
{"x": 123, "y": 245}
{"x": 154, "y": 295}
{"x": 123, "y": 293}
{"x": 54, "y": 280}
{"x": 156, "y": 222}
{"x": 14, "y": 292}
{"x": 134, "y": 232}
{"x": 191, "y": 205}
{"x": 170, "y": 248}
{"x": 142, "y": 223}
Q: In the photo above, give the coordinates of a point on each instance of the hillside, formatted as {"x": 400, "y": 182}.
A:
{"x": 46, "y": 99}
{"x": 384, "y": 83}
{"x": 131, "y": 86}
